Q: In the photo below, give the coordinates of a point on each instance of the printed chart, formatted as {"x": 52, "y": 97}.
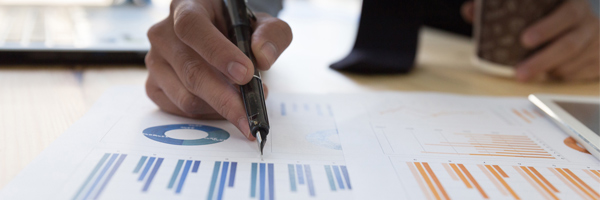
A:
{"x": 315, "y": 131}
{"x": 460, "y": 147}
{"x": 461, "y": 142}
{"x": 450, "y": 180}
{"x": 141, "y": 176}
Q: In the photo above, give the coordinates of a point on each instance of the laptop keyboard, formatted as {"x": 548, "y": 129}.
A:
{"x": 43, "y": 26}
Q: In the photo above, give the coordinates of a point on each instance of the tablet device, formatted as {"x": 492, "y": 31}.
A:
{"x": 579, "y": 116}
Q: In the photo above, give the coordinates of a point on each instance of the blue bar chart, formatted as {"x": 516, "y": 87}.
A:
{"x": 156, "y": 177}
{"x": 97, "y": 180}
{"x": 264, "y": 172}
{"x": 224, "y": 174}
{"x": 301, "y": 175}
{"x": 295, "y": 109}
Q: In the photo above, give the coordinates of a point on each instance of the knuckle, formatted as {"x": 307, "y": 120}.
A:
{"x": 184, "y": 19}
{"x": 193, "y": 74}
{"x": 212, "y": 53}
{"x": 188, "y": 103}
{"x": 150, "y": 59}
{"x": 154, "y": 31}
{"x": 173, "y": 5}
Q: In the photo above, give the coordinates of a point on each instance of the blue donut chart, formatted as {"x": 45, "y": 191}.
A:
{"x": 215, "y": 135}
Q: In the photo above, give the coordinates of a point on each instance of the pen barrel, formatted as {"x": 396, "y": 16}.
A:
{"x": 240, "y": 33}
{"x": 256, "y": 110}
{"x": 252, "y": 93}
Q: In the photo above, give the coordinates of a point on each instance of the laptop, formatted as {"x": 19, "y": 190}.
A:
{"x": 76, "y": 31}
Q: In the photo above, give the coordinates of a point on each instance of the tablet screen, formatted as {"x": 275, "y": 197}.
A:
{"x": 587, "y": 113}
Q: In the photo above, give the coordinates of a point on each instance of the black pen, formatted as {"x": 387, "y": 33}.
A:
{"x": 240, "y": 32}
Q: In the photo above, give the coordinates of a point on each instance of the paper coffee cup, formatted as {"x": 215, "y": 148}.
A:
{"x": 498, "y": 27}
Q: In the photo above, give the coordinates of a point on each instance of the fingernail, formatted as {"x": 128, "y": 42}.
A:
{"x": 530, "y": 39}
{"x": 270, "y": 52}
{"x": 237, "y": 71}
{"x": 243, "y": 125}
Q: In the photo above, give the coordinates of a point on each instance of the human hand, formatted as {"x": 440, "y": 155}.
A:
{"x": 569, "y": 41}
{"x": 194, "y": 70}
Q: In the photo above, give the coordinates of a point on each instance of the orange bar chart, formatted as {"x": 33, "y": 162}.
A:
{"x": 511, "y": 182}
{"x": 427, "y": 180}
{"x": 527, "y": 116}
{"x": 496, "y": 145}
{"x": 495, "y": 176}
{"x": 539, "y": 182}
{"x": 575, "y": 183}
{"x": 521, "y": 115}
{"x": 594, "y": 174}
{"x": 468, "y": 174}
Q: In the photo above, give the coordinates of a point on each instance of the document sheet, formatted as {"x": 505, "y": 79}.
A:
{"x": 342, "y": 146}
{"x": 440, "y": 146}
{"x": 126, "y": 148}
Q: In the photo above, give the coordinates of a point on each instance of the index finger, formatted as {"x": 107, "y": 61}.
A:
{"x": 194, "y": 24}
{"x": 570, "y": 13}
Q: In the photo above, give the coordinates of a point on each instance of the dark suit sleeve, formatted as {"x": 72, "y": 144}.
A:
{"x": 446, "y": 15}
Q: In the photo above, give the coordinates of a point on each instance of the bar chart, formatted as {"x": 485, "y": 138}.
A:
{"x": 496, "y": 145}
{"x": 460, "y": 142}
{"x": 220, "y": 174}
{"x": 450, "y": 180}
{"x": 97, "y": 180}
{"x": 304, "y": 109}
{"x": 148, "y": 177}
{"x": 429, "y": 109}
{"x": 527, "y": 115}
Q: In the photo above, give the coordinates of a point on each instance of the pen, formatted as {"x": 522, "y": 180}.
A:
{"x": 240, "y": 32}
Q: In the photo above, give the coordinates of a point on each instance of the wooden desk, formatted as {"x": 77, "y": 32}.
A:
{"x": 37, "y": 104}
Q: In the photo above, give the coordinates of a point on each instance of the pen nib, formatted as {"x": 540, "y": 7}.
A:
{"x": 261, "y": 142}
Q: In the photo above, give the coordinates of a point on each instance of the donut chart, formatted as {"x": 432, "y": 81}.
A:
{"x": 324, "y": 139}
{"x": 571, "y": 143}
{"x": 215, "y": 135}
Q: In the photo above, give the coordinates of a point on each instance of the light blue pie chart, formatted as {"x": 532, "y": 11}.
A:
{"x": 215, "y": 135}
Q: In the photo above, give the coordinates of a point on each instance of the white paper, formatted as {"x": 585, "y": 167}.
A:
{"x": 98, "y": 157}
{"x": 396, "y": 142}
{"x": 395, "y": 146}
